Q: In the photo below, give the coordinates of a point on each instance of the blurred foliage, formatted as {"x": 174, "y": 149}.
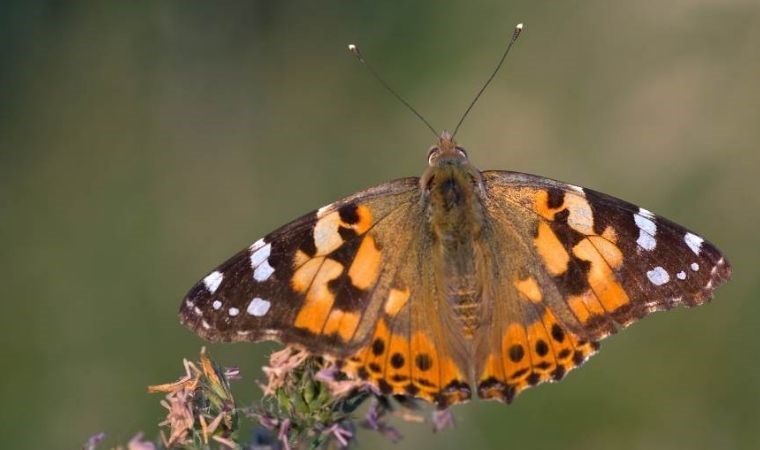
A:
{"x": 142, "y": 143}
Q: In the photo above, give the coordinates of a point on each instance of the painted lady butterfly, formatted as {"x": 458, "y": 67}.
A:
{"x": 428, "y": 286}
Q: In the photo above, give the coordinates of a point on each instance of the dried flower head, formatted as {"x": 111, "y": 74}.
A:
{"x": 307, "y": 402}
{"x": 200, "y": 406}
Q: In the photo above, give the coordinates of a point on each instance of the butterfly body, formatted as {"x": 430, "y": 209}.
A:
{"x": 451, "y": 195}
{"x": 429, "y": 287}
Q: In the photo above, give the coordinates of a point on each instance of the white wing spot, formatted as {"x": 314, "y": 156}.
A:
{"x": 681, "y": 275}
{"x": 260, "y": 255}
{"x": 216, "y": 305}
{"x": 646, "y": 241}
{"x": 213, "y": 280}
{"x": 189, "y": 303}
{"x": 647, "y": 229}
{"x": 646, "y": 213}
{"x": 694, "y": 242}
{"x": 694, "y": 266}
{"x": 658, "y": 276}
{"x": 205, "y": 324}
{"x": 256, "y": 245}
{"x": 233, "y": 311}
{"x": 197, "y": 311}
{"x": 263, "y": 271}
{"x": 258, "y": 307}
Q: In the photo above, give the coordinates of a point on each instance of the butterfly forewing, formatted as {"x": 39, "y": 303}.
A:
{"x": 312, "y": 282}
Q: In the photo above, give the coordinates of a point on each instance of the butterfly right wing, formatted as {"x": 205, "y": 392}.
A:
{"x": 566, "y": 266}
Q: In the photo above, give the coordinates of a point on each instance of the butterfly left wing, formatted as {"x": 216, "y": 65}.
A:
{"x": 353, "y": 282}
{"x": 567, "y": 265}
{"x": 312, "y": 282}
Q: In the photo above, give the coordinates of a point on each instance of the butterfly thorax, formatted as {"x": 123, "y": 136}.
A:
{"x": 451, "y": 186}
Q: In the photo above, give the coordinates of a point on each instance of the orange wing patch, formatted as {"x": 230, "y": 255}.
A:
{"x": 529, "y": 289}
{"x": 314, "y": 276}
{"x": 396, "y": 301}
{"x": 551, "y": 250}
{"x": 315, "y": 269}
{"x": 542, "y": 351}
{"x": 600, "y": 254}
{"x": 514, "y": 346}
{"x": 342, "y": 323}
{"x": 366, "y": 266}
{"x": 603, "y": 258}
{"x": 398, "y": 365}
{"x": 585, "y": 306}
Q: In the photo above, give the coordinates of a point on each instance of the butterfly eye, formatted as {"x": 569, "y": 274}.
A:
{"x": 431, "y": 152}
{"x": 462, "y": 151}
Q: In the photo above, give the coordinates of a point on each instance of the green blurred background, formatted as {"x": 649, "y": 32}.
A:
{"x": 142, "y": 143}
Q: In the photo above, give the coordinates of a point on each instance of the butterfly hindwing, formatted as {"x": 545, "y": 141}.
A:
{"x": 412, "y": 351}
{"x": 567, "y": 266}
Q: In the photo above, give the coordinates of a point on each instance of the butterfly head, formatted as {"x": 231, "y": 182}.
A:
{"x": 447, "y": 152}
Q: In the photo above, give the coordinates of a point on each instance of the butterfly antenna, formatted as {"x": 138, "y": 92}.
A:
{"x": 355, "y": 51}
{"x": 515, "y": 35}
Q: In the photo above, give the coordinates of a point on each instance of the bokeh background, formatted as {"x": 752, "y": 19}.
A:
{"x": 142, "y": 143}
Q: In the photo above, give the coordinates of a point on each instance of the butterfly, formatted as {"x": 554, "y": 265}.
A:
{"x": 429, "y": 287}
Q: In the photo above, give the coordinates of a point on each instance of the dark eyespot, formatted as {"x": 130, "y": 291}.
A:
{"x": 423, "y": 362}
{"x": 378, "y": 347}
